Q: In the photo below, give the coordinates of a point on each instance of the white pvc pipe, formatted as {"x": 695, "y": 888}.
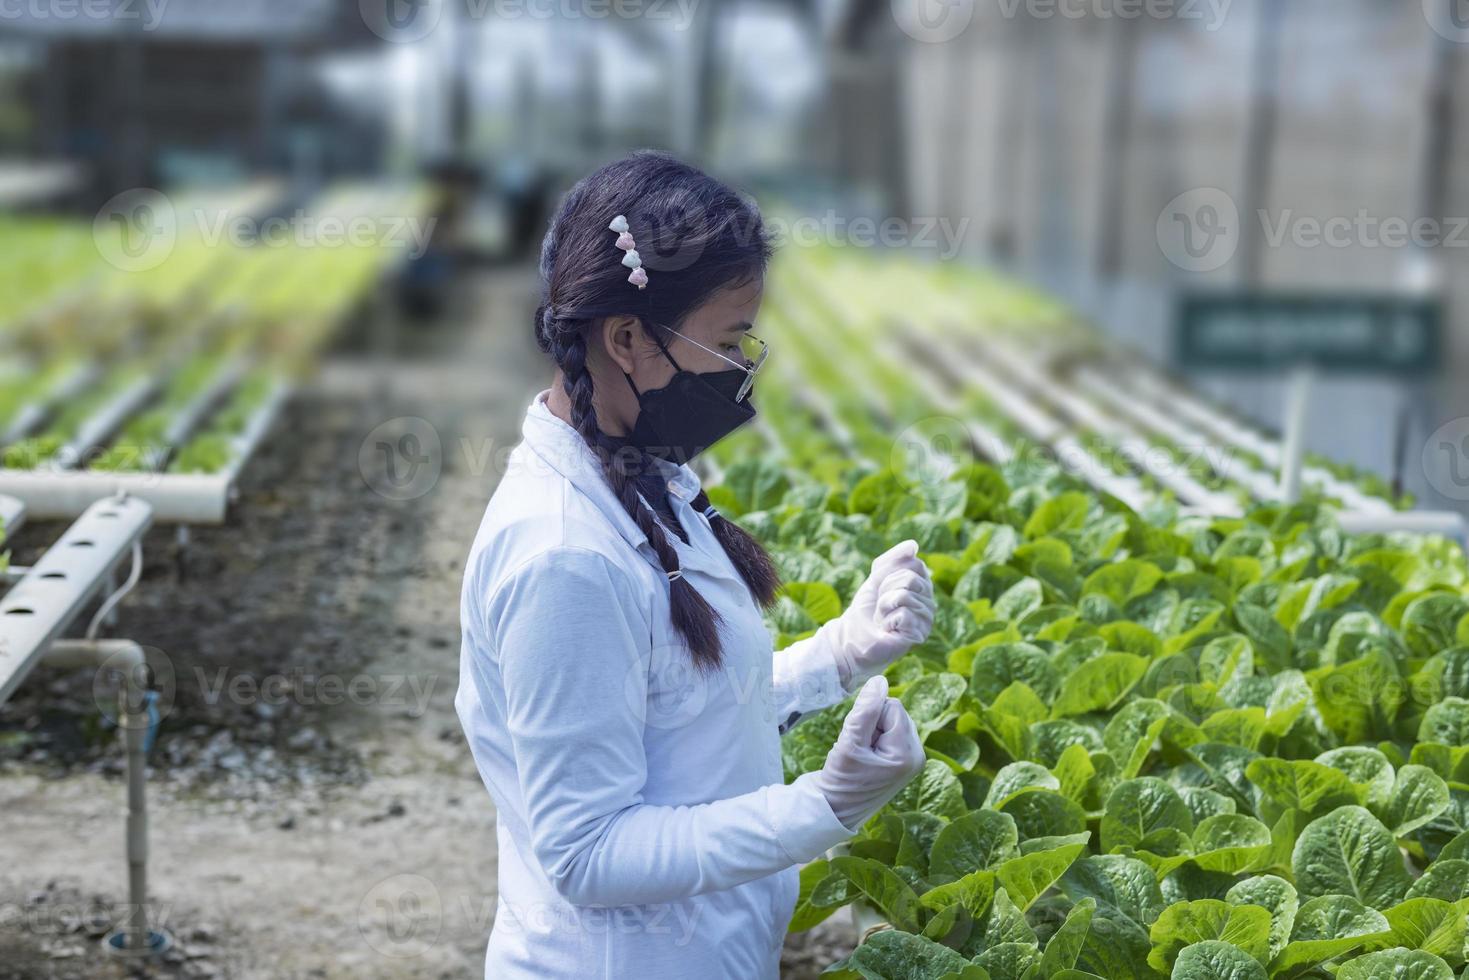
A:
{"x": 1130, "y": 441}
{"x": 1297, "y": 408}
{"x": 189, "y": 417}
{"x": 34, "y": 613}
{"x": 127, "y": 657}
{"x": 1447, "y": 523}
{"x": 29, "y": 417}
{"x": 994, "y": 446}
{"x": 1170, "y": 397}
{"x": 12, "y": 516}
{"x": 95, "y": 431}
{"x": 1260, "y": 485}
{"x": 1100, "y": 475}
{"x": 1034, "y": 422}
{"x": 1046, "y": 430}
{"x": 185, "y": 498}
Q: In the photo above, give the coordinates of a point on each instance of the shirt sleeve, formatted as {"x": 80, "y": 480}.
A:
{"x": 805, "y": 679}
{"x": 574, "y": 647}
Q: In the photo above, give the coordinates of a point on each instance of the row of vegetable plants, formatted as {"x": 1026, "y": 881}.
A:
{"x": 869, "y": 296}
{"x": 1159, "y": 743}
{"x": 214, "y": 335}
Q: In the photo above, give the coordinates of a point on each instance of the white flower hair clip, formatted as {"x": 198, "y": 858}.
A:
{"x": 639, "y": 276}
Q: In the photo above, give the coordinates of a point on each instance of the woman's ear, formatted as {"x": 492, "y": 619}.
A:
{"x": 620, "y": 336}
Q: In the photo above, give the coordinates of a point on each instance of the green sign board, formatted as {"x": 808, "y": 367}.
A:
{"x": 1260, "y": 331}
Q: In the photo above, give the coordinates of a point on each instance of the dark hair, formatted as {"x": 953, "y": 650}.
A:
{"x": 696, "y": 237}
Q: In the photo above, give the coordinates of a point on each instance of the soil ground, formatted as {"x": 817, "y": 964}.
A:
{"x": 314, "y": 809}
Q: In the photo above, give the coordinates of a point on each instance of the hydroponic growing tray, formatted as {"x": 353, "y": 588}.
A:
{"x": 176, "y": 498}
{"x": 51, "y": 594}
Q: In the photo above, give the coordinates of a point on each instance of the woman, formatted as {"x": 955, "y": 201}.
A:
{"x": 617, "y": 682}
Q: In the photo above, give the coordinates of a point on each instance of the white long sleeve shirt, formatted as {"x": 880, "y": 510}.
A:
{"x": 643, "y": 826}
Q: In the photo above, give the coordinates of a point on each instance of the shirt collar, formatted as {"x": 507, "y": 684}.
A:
{"x": 559, "y": 446}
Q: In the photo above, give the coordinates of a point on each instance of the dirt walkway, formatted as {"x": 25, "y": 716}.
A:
{"x": 315, "y": 810}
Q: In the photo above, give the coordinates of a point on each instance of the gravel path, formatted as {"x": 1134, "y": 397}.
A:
{"x": 315, "y": 811}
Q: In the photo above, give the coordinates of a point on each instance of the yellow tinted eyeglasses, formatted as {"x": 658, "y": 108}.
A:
{"x": 753, "y": 351}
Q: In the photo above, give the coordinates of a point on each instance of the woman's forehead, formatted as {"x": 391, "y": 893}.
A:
{"x": 734, "y": 305}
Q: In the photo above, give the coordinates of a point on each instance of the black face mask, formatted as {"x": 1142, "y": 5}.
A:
{"x": 689, "y": 414}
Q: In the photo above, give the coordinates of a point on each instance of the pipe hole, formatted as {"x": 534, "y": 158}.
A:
{"x": 54, "y": 575}
{"x": 19, "y": 611}
{"x": 81, "y": 544}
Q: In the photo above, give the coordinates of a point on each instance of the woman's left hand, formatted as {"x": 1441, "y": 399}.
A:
{"x": 891, "y": 612}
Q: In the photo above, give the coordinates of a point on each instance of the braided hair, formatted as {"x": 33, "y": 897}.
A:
{"x": 696, "y": 237}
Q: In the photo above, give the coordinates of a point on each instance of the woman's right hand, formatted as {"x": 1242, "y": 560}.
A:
{"x": 875, "y": 756}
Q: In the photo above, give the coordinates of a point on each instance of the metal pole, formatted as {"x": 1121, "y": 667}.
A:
{"x": 1121, "y": 83}
{"x": 1297, "y": 404}
{"x": 1400, "y": 440}
{"x": 1260, "y": 137}
{"x": 135, "y": 727}
{"x": 1015, "y": 106}
{"x": 111, "y": 618}
{"x": 127, "y": 657}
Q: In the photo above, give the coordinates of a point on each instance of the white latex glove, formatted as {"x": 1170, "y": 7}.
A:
{"x": 891, "y": 612}
{"x": 875, "y": 756}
